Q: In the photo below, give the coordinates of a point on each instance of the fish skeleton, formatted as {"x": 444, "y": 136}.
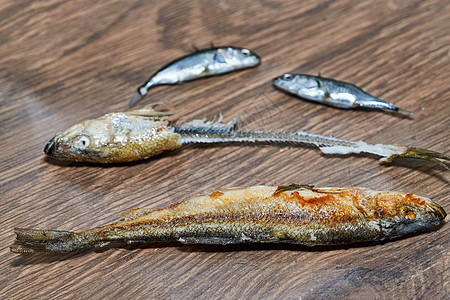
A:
{"x": 331, "y": 92}
{"x": 299, "y": 214}
{"x": 205, "y": 63}
{"x": 139, "y": 134}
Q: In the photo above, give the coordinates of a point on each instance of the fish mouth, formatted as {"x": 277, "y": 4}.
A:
{"x": 278, "y": 83}
{"x": 433, "y": 216}
{"x": 258, "y": 58}
{"x": 439, "y": 213}
{"x": 426, "y": 221}
{"x": 50, "y": 148}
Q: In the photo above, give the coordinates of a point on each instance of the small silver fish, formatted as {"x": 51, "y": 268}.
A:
{"x": 299, "y": 214}
{"x": 201, "y": 64}
{"x": 331, "y": 92}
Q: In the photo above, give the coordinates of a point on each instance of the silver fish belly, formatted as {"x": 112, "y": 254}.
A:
{"x": 331, "y": 92}
{"x": 201, "y": 64}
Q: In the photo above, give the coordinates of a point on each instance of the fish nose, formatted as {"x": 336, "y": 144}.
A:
{"x": 439, "y": 212}
{"x": 51, "y": 146}
{"x": 278, "y": 83}
{"x": 435, "y": 215}
{"x": 257, "y": 58}
{"x": 276, "y": 80}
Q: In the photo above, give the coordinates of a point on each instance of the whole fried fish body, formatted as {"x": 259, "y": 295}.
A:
{"x": 298, "y": 214}
{"x": 139, "y": 134}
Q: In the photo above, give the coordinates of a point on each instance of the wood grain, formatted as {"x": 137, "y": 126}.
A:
{"x": 62, "y": 62}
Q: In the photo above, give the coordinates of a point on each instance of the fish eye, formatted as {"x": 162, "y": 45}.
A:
{"x": 288, "y": 76}
{"x": 82, "y": 142}
{"x": 245, "y": 52}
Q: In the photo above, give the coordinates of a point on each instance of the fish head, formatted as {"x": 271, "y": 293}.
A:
{"x": 408, "y": 213}
{"x": 239, "y": 58}
{"x": 81, "y": 142}
{"x": 115, "y": 137}
{"x": 305, "y": 86}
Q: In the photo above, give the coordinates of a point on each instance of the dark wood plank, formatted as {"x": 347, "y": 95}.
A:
{"x": 64, "y": 62}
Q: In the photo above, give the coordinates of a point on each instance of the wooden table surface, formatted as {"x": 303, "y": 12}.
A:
{"x": 62, "y": 62}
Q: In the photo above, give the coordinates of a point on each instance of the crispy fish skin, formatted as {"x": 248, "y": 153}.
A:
{"x": 260, "y": 214}
{"x": 115, "y": 137}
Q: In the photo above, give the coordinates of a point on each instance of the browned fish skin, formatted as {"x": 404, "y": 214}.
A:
{"x": 292, "y": 214}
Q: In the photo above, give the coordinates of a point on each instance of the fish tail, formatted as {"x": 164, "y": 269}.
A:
{"x": 418, "y": 153}
{"x": 375, "y": 103}
{"x": 47, "y": 241}
{"x": 140, "y": 93}
{"x": 201, "y": 131}
{"x": 135, "y": 99}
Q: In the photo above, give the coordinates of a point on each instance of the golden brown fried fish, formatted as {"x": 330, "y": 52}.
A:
{"x": 261, "y": 214}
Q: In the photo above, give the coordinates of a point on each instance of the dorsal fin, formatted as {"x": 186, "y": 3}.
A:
{"x": 285, "y": 188}
{"x": 148, "y": 111}
{"x": 155, "y": 114}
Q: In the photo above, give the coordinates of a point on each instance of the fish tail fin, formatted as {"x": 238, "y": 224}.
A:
{"x": 371, "y": 102}
{"x": 403, "y": 112}
{"x": 140, "y": 93}
{"x": 135, "y": 99}
{"x": 45, "y": 241}
{"x": 419, "y": 153}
